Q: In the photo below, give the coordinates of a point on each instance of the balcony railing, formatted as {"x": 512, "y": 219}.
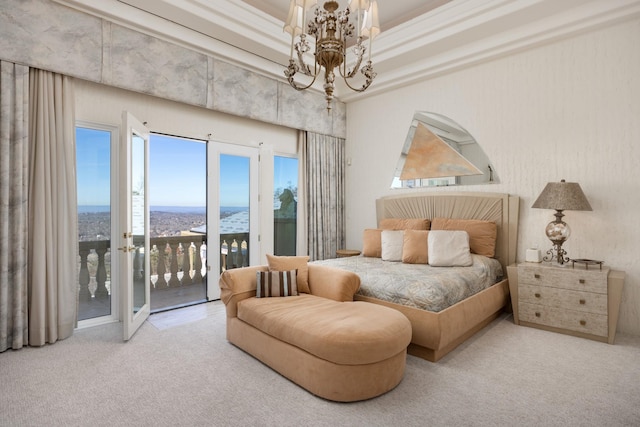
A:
{"x": 170, "y": 258}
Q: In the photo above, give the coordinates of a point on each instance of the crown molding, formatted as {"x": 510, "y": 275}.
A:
{"x": 488, "y": 34}
{"x": 458, "y": 34}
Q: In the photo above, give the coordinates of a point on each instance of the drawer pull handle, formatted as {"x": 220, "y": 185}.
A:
{"x": 581, "y": 281}
{"x": 537, "y": 314}
{"x": 583, "y": 322}
{"x": 537, "y": 276}
{"x": 537, "y": 295}
{"x": 583, "y": 302}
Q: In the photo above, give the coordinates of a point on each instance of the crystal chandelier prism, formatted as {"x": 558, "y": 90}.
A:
{"x": 331, "y": 30}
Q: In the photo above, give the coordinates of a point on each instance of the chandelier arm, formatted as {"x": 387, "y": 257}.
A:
{"x": 360, "y": 51}
{"x": 304, "y": 68}
{"x": 296, "y": 87}
{"x": 362, "y": 89}
{"x": 369, "y": 75}
{"x": 351, "y": 73}
{"x": 291, "y": 71}
{"x": 301, "y": 48}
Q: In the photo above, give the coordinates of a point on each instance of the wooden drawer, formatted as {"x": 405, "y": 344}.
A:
{"x": 588, "y": 323}
{"x": 588, "y": 302}
{"x": 566, "y": 278}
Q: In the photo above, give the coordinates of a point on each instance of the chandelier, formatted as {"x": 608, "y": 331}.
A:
{"x": 331, "y": 29}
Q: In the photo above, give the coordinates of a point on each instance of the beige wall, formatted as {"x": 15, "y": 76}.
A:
{"x": 568, "y": 110}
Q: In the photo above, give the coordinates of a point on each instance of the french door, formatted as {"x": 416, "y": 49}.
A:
{"x": 115, "y": 254}
{"x": 133, "y": 235}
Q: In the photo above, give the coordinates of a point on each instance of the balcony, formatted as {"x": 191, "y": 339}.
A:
{"x": 178, "y": 270}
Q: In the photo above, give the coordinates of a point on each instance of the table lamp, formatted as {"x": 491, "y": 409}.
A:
{"x": 560, "y": 196}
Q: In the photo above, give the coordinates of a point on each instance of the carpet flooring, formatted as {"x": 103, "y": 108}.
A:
{"x": 179, "y": 370}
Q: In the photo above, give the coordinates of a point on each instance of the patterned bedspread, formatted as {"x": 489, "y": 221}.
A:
{"x": 420, "y": 285}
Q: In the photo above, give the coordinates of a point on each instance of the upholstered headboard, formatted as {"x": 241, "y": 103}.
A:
{"x": 497, "y": 207}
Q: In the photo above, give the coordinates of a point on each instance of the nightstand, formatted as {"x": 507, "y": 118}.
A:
{"x": 574, "y": 300}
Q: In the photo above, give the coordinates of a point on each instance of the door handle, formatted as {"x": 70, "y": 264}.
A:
{"x": 127, "y": 248}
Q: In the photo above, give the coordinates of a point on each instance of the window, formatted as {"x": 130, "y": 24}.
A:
{"x": 285, "y": 203}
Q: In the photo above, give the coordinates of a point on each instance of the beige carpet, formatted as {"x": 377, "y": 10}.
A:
{"x": 180, "y": 371}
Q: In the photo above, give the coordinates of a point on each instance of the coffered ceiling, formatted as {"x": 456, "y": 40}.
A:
{"x": 419, "y": 39}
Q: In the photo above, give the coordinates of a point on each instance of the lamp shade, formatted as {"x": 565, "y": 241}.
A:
{"x": 562, "y": 196}
{"x": 371, "y": 24}
{"x": 358, "y": 5}
{"x": 295, "y": 20}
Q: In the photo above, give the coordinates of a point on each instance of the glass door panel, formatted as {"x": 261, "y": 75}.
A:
{"x": 234, "y": 211}
{"x": 135, "y": 225}
{"x": 233, "y": 203}
{"x": 94, "y": 145}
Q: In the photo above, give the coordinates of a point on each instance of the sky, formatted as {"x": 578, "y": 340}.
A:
{"x": 177, "y": 171}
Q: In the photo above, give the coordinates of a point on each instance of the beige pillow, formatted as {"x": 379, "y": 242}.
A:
{"x": 482, "y": 234}
{"x": 414, "y": 247}
{"x": 404, "y": 224}
{"x": 372, "y": 243}
{"x": 286, "y": 263}
{"x": 392, "y": 241}
{"x": 449, "y": 248}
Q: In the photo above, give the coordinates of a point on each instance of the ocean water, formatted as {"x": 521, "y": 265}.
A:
{"x": 172, "y": 209}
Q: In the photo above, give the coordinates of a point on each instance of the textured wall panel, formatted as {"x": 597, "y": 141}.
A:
{"x": 45, "y": 35}
{"x": 309, "y": 109}
{"x": 152, "y": 66}
{"x": 244, "y": 93}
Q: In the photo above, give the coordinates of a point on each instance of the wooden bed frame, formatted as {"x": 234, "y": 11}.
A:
{"x": 436, "y": 334}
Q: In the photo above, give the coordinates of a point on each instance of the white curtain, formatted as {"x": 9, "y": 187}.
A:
{"x": 53, "y": 218}
{"x": 14, "y": 124}
{"x": 324, "y": 192}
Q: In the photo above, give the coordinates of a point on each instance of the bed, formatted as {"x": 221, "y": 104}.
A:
{"x": 440, "y": 323}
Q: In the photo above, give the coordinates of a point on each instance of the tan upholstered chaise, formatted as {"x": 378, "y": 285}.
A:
{"x": 325, "y": 342}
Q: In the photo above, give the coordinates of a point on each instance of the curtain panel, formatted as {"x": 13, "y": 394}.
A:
{"x": 38, "y": 207}
{"x": 53, "y": 216}
{"x": 14, "y": 124}
{"x": 325, "y": 198}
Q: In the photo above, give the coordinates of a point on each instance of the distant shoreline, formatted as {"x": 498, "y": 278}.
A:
{"x": 171, "y": 209}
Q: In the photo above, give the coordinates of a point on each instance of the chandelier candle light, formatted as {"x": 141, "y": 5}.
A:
{"x": 331, "y": 29}
{"x": 560, "y": 196}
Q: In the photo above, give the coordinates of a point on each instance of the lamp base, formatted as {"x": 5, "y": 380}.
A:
{"x": 558, "y": 232}
{"x": 557, "y": 255}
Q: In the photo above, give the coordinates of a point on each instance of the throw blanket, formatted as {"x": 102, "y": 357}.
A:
{"x": 420, "y": 285}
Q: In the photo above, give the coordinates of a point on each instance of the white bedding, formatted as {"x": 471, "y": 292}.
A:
{"x": 420, "y": 285}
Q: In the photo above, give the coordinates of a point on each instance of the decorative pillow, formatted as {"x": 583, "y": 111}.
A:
{"x": 276, "y": 284}
{"x": 372, "y": 243}
{"x": 482, "y": 234}
{"x": 414, "y": 247}
{"x": 404, "y": 224}
{"x": 449, "y": 248}
{"x": 287, "y": 263}
{"x": 392, "y": 241}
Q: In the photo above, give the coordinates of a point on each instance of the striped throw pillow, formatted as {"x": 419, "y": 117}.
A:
{"x": 276, "y": 283}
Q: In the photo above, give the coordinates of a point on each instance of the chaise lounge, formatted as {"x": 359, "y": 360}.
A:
{"x": 322, "y": 340}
